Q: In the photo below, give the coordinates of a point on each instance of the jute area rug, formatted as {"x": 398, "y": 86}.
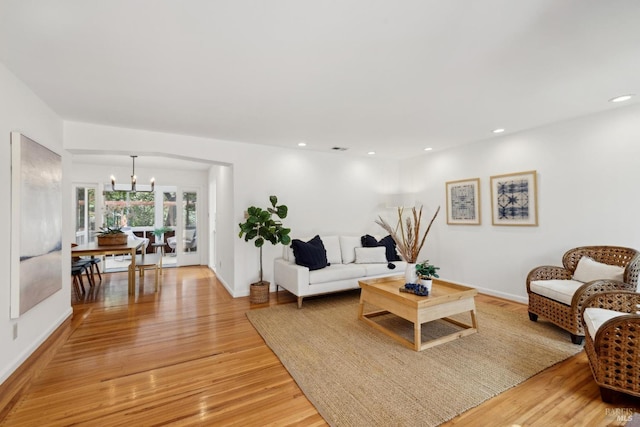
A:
{"x": 357, "y": 376}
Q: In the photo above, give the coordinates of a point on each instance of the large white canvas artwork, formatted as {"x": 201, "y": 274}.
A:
{"x": 36, "y": 223}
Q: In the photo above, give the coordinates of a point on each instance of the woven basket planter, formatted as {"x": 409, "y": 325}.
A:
{"x": 112, "y": 239}
{"x": 259, "y": 292}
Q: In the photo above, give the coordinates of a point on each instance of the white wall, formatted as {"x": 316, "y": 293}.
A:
{"x": 325, "y": 192}
{"x": 222, "y": 177}
{"x": 22, "y": 111}
{"x": 587, "y": 195}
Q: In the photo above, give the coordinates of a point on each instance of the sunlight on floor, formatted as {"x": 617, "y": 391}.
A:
{"x": 114, "y": 263}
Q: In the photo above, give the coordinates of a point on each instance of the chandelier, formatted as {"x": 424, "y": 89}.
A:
{"x": 133, "y": 180}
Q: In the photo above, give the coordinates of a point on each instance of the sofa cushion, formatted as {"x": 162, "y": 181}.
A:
{"x": 310, "y": 254}
{"x": 589, "y": 270}
{"x": 390, "y": 245}
{"x": 332, "y": 246}
{"x": 348, "y": 244}
{"x": 380, "y": 269}
{"x": 369, "y": 241}
{"x": 371, "y": 255}
{"x": 594, "y": 318}
{"x": 335, "y": 273}
{"x": 558, "y": 290}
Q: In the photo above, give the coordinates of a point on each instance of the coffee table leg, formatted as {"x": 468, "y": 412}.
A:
{"x": 417, "y": 335}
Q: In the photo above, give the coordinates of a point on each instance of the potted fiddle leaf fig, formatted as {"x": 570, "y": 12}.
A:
{"x": 261, "y": 227}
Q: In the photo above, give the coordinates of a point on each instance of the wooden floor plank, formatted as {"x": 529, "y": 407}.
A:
{"x": 187, "y": 355}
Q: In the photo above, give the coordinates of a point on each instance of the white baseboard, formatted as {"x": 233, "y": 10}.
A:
{"x": 22, "y": 357}
{"x": 504, "y": 295}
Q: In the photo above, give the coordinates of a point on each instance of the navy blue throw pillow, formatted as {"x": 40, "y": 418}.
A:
{"x": 310, "y": 254}
{"x": 368, "y": 241}
{"x": 388, "y": 242}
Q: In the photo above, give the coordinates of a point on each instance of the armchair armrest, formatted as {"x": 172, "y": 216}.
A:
{"x": 620, "y": 329}
{"x": 598, "y": 287}
{"x": 548, "y": 272}
{"x": 624, "y": 301}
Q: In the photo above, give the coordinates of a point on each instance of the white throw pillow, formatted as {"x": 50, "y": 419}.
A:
{"x": 332, "y": 246}
{"x": 348, "y": 245}
{"x": 588, "y": 270}
{"x": 371, "y": 255}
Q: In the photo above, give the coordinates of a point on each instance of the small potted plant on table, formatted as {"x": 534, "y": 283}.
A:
{"x": 159, "y": 233}
{"x": 426, "y": 272}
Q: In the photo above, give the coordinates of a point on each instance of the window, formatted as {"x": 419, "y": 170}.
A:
{"x": 85, "y": 214}
{"x": 133, "y": 209}
{"x": 169, "y": 209}
{"x": 189, "y": 212}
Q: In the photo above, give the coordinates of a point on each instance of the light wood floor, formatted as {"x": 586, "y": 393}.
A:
{"x": 189, "y": 356}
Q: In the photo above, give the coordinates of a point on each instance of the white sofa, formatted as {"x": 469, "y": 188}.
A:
{"x": 350, "y": 262}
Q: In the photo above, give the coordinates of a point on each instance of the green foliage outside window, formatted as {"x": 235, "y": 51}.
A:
{"x": 190, "y": 205}
{"x": 133, "y": 209}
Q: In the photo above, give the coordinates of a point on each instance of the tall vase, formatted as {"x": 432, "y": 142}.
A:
{"x": 410, "y": 275}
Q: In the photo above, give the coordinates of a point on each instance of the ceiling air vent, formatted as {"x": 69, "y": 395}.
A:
{"x": 339, "y": 148}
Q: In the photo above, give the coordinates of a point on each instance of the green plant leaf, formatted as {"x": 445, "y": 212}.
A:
{"x": 282, "y": 211}
{"x": 261, "y": 226}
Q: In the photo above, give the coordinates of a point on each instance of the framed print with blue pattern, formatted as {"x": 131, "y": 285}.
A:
{"x": 463, "y": 202}
{"x": 514, "y": 199}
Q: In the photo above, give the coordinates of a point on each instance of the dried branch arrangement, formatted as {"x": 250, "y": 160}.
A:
{"x": 407, "y": 233}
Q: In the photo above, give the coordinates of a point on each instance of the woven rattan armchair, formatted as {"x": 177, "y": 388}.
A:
{"x": 568, "y": 316}
{"x": 614, "y": 349}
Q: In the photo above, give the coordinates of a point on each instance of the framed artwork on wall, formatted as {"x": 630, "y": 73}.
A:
{"x": 514, "y": 199}
{"x": 463, "y": 202}
{"x": 36, "y": 223}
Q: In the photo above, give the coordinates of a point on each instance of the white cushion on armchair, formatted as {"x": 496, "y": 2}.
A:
{"x": 595, "y": 317}
{"x": 588, "y": 270}
{"x": 558, "y": 290}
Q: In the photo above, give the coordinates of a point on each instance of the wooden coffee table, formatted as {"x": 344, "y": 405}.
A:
{"x": 445, "y": 299}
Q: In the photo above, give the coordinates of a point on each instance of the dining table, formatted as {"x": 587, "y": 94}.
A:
{"x": 93, "y": 249}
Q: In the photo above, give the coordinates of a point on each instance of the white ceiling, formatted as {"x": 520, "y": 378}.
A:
{"x": 392, "y": 76}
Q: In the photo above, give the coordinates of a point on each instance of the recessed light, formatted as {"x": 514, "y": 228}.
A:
{"x": 428, "y": 149}
{"x": 499, "y": 130}
{"x": 621, "y": 98}
{"x": 371, "y": 153}
{"x": 302, "y": 144}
